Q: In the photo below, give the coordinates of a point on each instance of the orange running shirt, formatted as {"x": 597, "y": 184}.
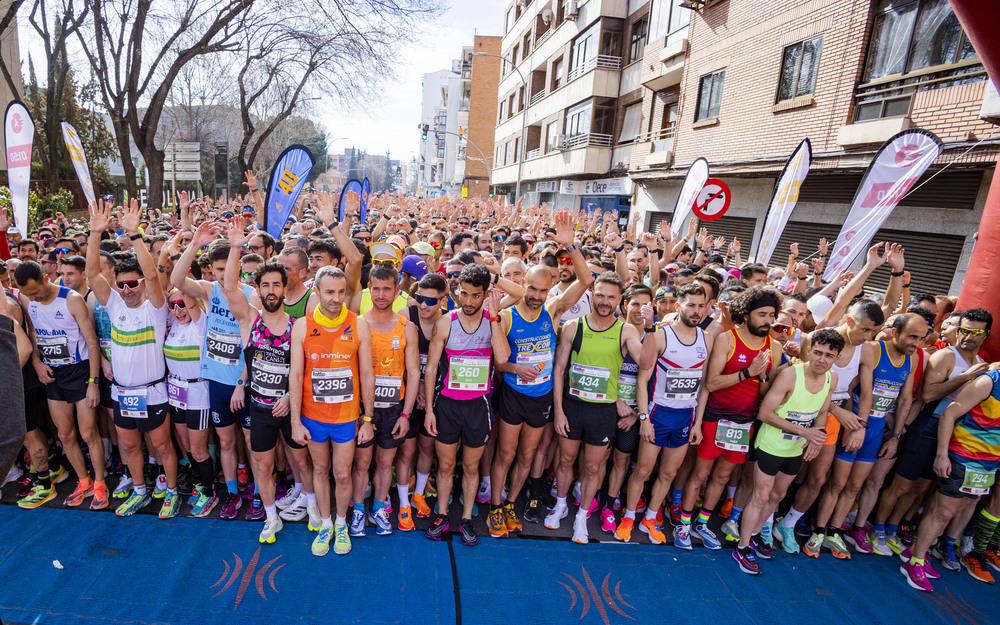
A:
{"x": 389, "y": 363}
{"x": 330, "y": 392}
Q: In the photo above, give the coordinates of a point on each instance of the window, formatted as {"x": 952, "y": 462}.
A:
{"x": 508, "y": 158}
{"x": 503, "y": 109}
{"x": 667, "y": 16}
{"x": 584, "y": 48}
{"x": 509, "y": 21}
{"x": 510, "y": 106}
{"x": 520, "y": 98}
{"x": 915, "y": 35}
{"x": 517, "y": 149}
{"x": 578, "y": 119}
{"x": 557, "y": 74}
{"x": 513, "y": 57}
{"x": 526, "y": 46}
{"x": 638, "y": 43}
{"x": 631, "y": 122}
{"x": 710, "y": 95}
{"x": 799, "y": 64}
{"x": 551, "y": 134}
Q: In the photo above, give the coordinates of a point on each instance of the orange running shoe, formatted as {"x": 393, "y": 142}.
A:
{"x": 624, "y": 531}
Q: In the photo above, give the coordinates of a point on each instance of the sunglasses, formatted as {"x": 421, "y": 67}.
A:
{"x": 246, "y": 275}
{"x": 177, "y": 304}
{"x": 782, "y": 328}
{"x": 44, "y": 237}
{"x": 499, "y": 238}
{"x": 435, "y": 245}
{"x": 451, "y": 275}
{"x": 228, "y": 214}
{"x": 565, "y": 260}
{"x": 671, "y": 269}
{"x": 428, "y": 301}
{"x": 971, "y": 331}
{"x": 463, "y": 223}
{"x": 385, "y": 261}
{"x": 364, "y": 239}
{"x": 62, "y": 250}
{"x": 595, "y": 274}
{"x": 131, "y": 285}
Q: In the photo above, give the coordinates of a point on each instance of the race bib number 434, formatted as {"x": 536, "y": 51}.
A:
{"x": 589, "y": 383}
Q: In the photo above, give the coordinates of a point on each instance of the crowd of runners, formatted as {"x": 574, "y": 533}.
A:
{"x": 656, "y": 381}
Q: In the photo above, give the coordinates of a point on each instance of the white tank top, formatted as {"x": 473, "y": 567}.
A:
{"x": 182, "y": 348}
{"x": 58, "y": 335}
{"x": 678, "y": 371}
{"x": 137, "y": 336}
{"x": 846, "y": 375}
{"x": 960, "y": 367}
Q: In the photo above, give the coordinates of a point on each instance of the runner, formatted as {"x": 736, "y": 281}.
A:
{"x": 591, "y": 353}
{"x": 301, "y": 300}
{"x": 331, "y": 370}
{"x": 669, "y": 413}
{"x": 526, "y": 393}
{"x": 461, "y": 413}
{"x": 793, "y": 416}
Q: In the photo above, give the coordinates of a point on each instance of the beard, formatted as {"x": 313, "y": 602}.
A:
{"x": 759, "y": 330}
{"x": 273, "y": 303}
{"x": 690, "y": 321}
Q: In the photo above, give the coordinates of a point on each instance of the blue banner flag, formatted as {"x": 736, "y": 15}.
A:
{"x": 287, "y": 179}
{"x": 352, "y": 191}
{"x": 365, "y": 194}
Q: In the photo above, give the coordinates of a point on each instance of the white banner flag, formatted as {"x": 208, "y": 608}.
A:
{"x": 18, "y": 135}
{"x": 75, "y": 148}
{"x": 896, "y": 167}
{"x": 693, "y": 182}
{"x": 786, "y": 194}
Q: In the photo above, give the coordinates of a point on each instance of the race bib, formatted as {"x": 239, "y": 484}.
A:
{"x": 626, "y": 388}
{"x": 589, "y": 382}
{"x": 883, "y": 400}
{"x": 682, "y": 384}
{"x": 132, "y": 403}
{"x": 106, "y": 349}
{"x": 733, "y": 436}
{"x": 177, "y": 393}
{"x": 54, "y": 350}
{"x": 423, "y": 365}
{"x": 801, "y": 419}
{"x": 977, "y": 482}
{"x": 468, "y": 373}
{"x": 388, "y": 390}
{"x": 332, "y": 386}
{"x": 269, "y": 379}
{"x": 542, "y": 362}
{"x": 223, "y": 348}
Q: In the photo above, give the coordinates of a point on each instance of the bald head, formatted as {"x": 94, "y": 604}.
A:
{"x": 537, "y": 283}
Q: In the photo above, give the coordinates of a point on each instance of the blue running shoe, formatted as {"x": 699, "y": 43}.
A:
{"x": 358, "y": 522}
{"x": 682, "y": 536}
{"x": 380, "y": 519}
{"x": 706, "y": 536}
{"x": 133, "y": 504}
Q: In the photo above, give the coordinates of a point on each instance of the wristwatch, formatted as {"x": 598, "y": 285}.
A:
{"x": 898, "y": 437}
{"x": 366, "y": 419}
{"x": 241, "y": 382}
{"x": 643, "y": 416}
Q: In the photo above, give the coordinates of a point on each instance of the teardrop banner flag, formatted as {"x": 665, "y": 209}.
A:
{"x": 786, "y": 195}
{"x": 897, "y": 165}
{"x": 366, "y": 191}
{"x": 353, "y": 192}
{"x": 79, "y": 158}
{"x": 693, "y": 182}
{"x": 287, "y": 179}
{"x": 18, "y": 135}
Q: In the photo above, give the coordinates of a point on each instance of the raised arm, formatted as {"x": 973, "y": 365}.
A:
{"x": 154, "y": 289}
{"x": 98, "y": 223}
{"x": 179, "y": 277}
{"x": 231, "y": 285}
{"x": 564, "y": 237}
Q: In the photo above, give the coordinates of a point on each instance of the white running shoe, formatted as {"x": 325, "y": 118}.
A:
{"x": 271, "y": 527}
{"x": 297, "y": 510}
{"x": 580, "y": 534}
{"x": 315, "y": 520}
{"x": 13, "y": 475}
{"x": 289, "y": 499}
{"x": 557, "y": 514}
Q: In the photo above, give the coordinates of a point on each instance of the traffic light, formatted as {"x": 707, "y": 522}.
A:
{"x": 399, "y": 170}
{"x": 424, "y": 130}
{"x": 491, "y": 190}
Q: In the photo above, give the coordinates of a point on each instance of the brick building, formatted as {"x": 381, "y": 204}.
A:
{"x": 741, "y": 83}
{"x": 484, "y": 78}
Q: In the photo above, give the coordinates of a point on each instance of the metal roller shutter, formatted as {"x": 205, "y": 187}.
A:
{"x": 954, "y": 188}
{"x": 807, "y": 234}
{"x": 729, "y": 227}
{"x": 655, "y": 218}
{"x": 931, "y": 261}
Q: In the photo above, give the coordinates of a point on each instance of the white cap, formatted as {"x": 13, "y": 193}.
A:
{"x": 819, "y": 306}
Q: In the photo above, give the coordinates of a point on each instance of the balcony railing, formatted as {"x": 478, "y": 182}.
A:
{"x": 663, "y": 139}
{"x": 533, "y": 154}
{"x": 538, "y": 96}
{"x": 602, "y": 61}
{"x": 587, "y": 139}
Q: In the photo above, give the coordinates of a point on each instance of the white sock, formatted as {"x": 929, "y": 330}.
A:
{"x": 296, "y": 490}
{"x": 327, "y": 522}
{"x": 630, "y": 514}
{"x": 152, "y": 460}
{"x": 421, "y": 482}
{"x": 581, "y": 513}
{"x": 341, "y": 520}
{"x": 791, "y": 518}
{"x": 730, "y": 492}
{"x": 403, "y": 490}
{"x": 770, "y": 520}
{"x": 310, "y": 499}
{"x": 140, "y": 489}
{"x": 272, "y": 512}
{"x": 650, "y": 514}
{"x": 560, "y": 502}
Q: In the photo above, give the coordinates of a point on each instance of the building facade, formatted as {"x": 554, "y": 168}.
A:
{"x": 484, "y": 78}
{"x": 741, "y": 83}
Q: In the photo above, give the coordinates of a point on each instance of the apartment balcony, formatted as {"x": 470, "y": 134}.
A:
{"x": 653, "y": 149}
{"x": 667, "y": 60}
{"x": 583, "y": 154}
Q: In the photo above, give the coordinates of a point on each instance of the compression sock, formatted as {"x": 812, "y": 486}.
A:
{"x": 231, "y": 486}
{"x": 686, "y": 517}
{"x": 730, "y": 492}
{"x": 205, "y": 475}
{"x": 985, "y": 526}
{"x": 891, "y": 528}
{"x": 703, "y": 516}
{"x": 735, "y": 515}
{"x": 675, "y": 496}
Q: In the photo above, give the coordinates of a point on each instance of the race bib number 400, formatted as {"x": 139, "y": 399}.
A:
{"x": 388, "y": 390}
{"x": 468, "y": 373}
{"x": 223, "y": 348}
{"x": 977, "y": 482}
{"x": 132, "y": 403}
{"x": 733, "y": 436}
{"x": 589, "y": 382}
{"x": 332, "y": 386}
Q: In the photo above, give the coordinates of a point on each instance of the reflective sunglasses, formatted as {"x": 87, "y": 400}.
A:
{"x": 385, "y": 261}
{"x": 428, "y": 301}
{"x": 463, "y": 223}
{"x": 246, "y": 275}
{"x": 565, "y": 260}
{"x": 228, "y": 214}
{"x": 782, "y": 328}
{"x": 499, "y": 238}
{"x": 63, "y": 250}
{"x": 44, "y": 237}
{"x": 436, "y": 245}
{"x": 177, "y": 304}
{"x": 453, "y": 274}
{"x": 367, "y": 239}
{"x": 131, "y": 285}
{"x": 971, "y": 331}
{"x": 671, "y": 269}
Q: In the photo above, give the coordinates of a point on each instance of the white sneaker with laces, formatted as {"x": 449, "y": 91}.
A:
{"x": 557, "y": 514}
{"x": 289, "y": 499}
{"x": 580, "y": 534}
{"x": 13, "y": 475}
{"x": 296, "y": 511}
{"x": 271, "y": 527}
{"x": 315, "y": 520}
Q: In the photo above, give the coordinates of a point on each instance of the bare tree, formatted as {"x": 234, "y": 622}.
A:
{"x": 6, "y": 21}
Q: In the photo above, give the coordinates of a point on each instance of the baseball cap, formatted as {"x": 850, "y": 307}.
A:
{"x": 384, "y": 249}
{"x": 819, "y": 306}
{"x": 415, "y": 266}
{"x": 397, "y": 241}
{"x": 422, "y": 247}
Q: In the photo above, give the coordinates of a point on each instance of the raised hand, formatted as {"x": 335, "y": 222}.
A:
{"x": 894, "y": 255}
{"x": 794, "y": 250}
{"x": 563, "y": 222}
{"x": 873, "y": 257}
{"x": 824, "y": 246}
{"x": 234, "y": 231}
{"x": 130, "y": 217}
{"x": 206, "y": 233}
{"x": 251, "y": 180}
{"x": 734, "y": 247}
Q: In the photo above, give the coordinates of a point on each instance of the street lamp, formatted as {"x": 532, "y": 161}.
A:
{"x": 524, "y": 117}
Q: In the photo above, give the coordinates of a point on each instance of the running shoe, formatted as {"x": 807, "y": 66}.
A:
{"x": 242, "y": 479}
{"x": 58, "y": 476}
{"x": 745, "y": 559}
{"x": 290, "y": 498}
{"x": 760, "y": 548}
{"x": 25, "y": 484}
{"x": 341, "y": 540}
{"x": 929, "y": 569}
{"x": 230, "y": 506}
{"x": 727, "y": 507}
{"x": 946, "y": 555}
{"x": 13, "y": 475}
{"x": 878, "y": 542}
{"x": 204, "y": 505}
{"x": 80, "y": 493}
{"x": 419, "y": 503}
{"x": 256, "y": 511}
{"x": 767, "y": 534}
{"x": 430, "y": 489}
{"x": 195, "y": 494}
{"x": 580, "y": 534}
{"x": 387, "y": 504}
{"x": 607, "y": 520}
{"x": 439, "y": 525}
{"x": 358, "y": 529}
{"x": 835, "y": 543}
{"x": 380, "y": 519}
{"x": 124, "y": 487}
{"x": 786, "y": 536}
{"x": 37, "y": 497}
{"x": 321, "y": 544}
{"x": 706, "y": 536}
{"x": 803, "y": 527}
{"x": 675, "y": 513}
{"x": 616, "y": 505}
{"x": 858, "y": 538}
{"x": 731, "y": 530}
{"x": 916, "y": 577}
{"x": 640, "y": 507}
{"x": 484, "y": 494}
{"x": 510, "y": 518}
{"x": 895, "y": 543}
{"x": 469, "y": 538}
{"x": 993, "y": 559}
{"x": 851, "y": 517}
{"x": 295, "y": 510}
{"x": 271, "y": 527}
{"x": 160, "y": 487}
{"x": 405, "y": 523}
{"x": 624, "y": 531}
{"x": 495, "y": 523}
{"x": 814, "y": 545}
{"x": 907, "y": 532}
{"x": 964, "y": 545}
{"x": 171, "y": 505}
{"x": 133, "y": 504}
{"x": 682, "y": 536}
{"x": 555, "y": 515}
{"x": 100, "y": 500}
{"x": 534, "y": 512}
{"x": 315, "y": 520}
{"x": 652, "y": 529}
{"x": 976, "y": 565}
